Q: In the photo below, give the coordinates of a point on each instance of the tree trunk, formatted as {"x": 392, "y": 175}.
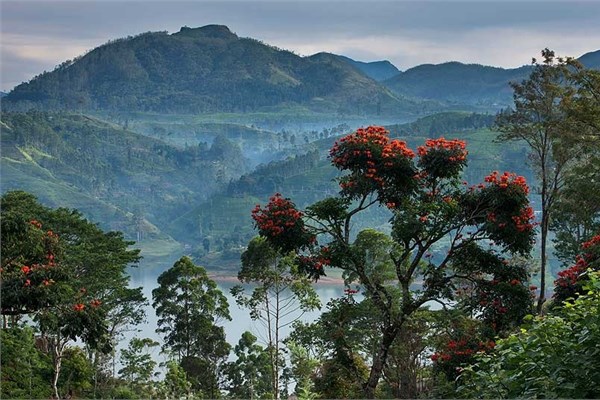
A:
{"x": 389, "y": 334}
{"x": 57, "y": 354}
{"x": 544, "y": 239}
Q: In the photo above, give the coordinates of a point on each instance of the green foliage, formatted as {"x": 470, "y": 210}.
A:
{"x": 175, "y": 383}
{"x": 539, "y": 120}
{"x": 249, "y": 377}
{"x": 138, "y": 365}
{"x": 430, "y": 209}
{"x": 577, "y": 214}
{"x": 189, "y": 306}
{"x": 24, "y": 370}
{"x": 554, "y": 356}
{"x": 73, "y": 286}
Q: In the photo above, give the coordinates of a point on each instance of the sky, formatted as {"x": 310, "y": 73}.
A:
{"x": 37, "y": 35}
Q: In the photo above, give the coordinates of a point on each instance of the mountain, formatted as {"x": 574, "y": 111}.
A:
{"x": 455, "y": 83}
{"x": 378, "y": 70}
{"x": 591, "y": 59}
{"x": 199, "y": 70}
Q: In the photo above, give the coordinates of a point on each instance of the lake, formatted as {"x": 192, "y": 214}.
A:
{"x": 240, "y": 317}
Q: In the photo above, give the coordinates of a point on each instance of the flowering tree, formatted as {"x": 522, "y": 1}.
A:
{"x": 571, "y": 280}
{"x": 431, "y": 208}
{"x": 63, "y": 273}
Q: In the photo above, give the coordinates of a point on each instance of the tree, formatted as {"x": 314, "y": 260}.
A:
{"x": 553, "y": 356}
{"x": 570, "y": 282}
{"x": 539, "y": 120}
{"x": 23, "y": 367}
{"x": 582, "y": 106}
{"x": 249, "y": 377}
{"x": 430, "y": 208}
{"x": 189, "y": 306}
{"x": 64, "y": 273}
{"x": 175, "y": 385}
{"x": 338, "y": 345}
{"x": 577, "y": 215}
{"x": 281, "y": 296}
{"x": 138, "y": 365}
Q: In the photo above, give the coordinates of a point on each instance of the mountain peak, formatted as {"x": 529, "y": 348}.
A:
{"x": 591, "y": 59}
{"x": 208, "y": 31}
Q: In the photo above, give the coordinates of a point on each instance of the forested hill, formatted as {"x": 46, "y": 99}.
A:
{"x": 460, "y": 84}
{"x": 126, "y": 181}
{"x": 207, "y": 69}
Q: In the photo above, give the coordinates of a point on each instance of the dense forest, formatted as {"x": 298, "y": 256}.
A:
{"x": 444, "y": 257}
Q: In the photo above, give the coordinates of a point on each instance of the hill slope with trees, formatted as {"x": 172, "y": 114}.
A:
{"x": 199, "y": 70}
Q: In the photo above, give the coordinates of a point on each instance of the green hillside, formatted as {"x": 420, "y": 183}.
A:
{"x": 458, "y": 84}
{"x": 200, "y": 70}
{"x": 125, "y": 180}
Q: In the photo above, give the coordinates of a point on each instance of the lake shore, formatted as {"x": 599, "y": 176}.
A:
{"x": 324, "y": 280}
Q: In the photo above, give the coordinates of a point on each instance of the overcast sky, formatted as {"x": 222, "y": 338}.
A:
{"x": 38, "y": 35}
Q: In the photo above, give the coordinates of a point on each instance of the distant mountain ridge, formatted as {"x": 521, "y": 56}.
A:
{"x": 206, "y": 69}
{"x": 211, "y": 70}
{"x": 591, "y": 59}
{"x": 455, "y": 83}
{"x": 378, "y": 70}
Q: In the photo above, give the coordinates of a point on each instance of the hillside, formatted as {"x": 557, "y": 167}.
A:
{"x": 591, "y": 59}
{"x": 125, "y": 180}
{"x": 454, "y": 83}
{"x": 201, "y": 70}
{"x": 378, "y": 70}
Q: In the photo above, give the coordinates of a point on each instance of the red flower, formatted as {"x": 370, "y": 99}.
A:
{"x": 25, "y": 269}
{"x": 95, "y": 303}
{"x": 79, "y": 307}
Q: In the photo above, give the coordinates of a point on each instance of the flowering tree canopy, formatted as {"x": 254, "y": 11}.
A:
{"x": 570, "y": 281}
{"x": 432, "y": 209}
